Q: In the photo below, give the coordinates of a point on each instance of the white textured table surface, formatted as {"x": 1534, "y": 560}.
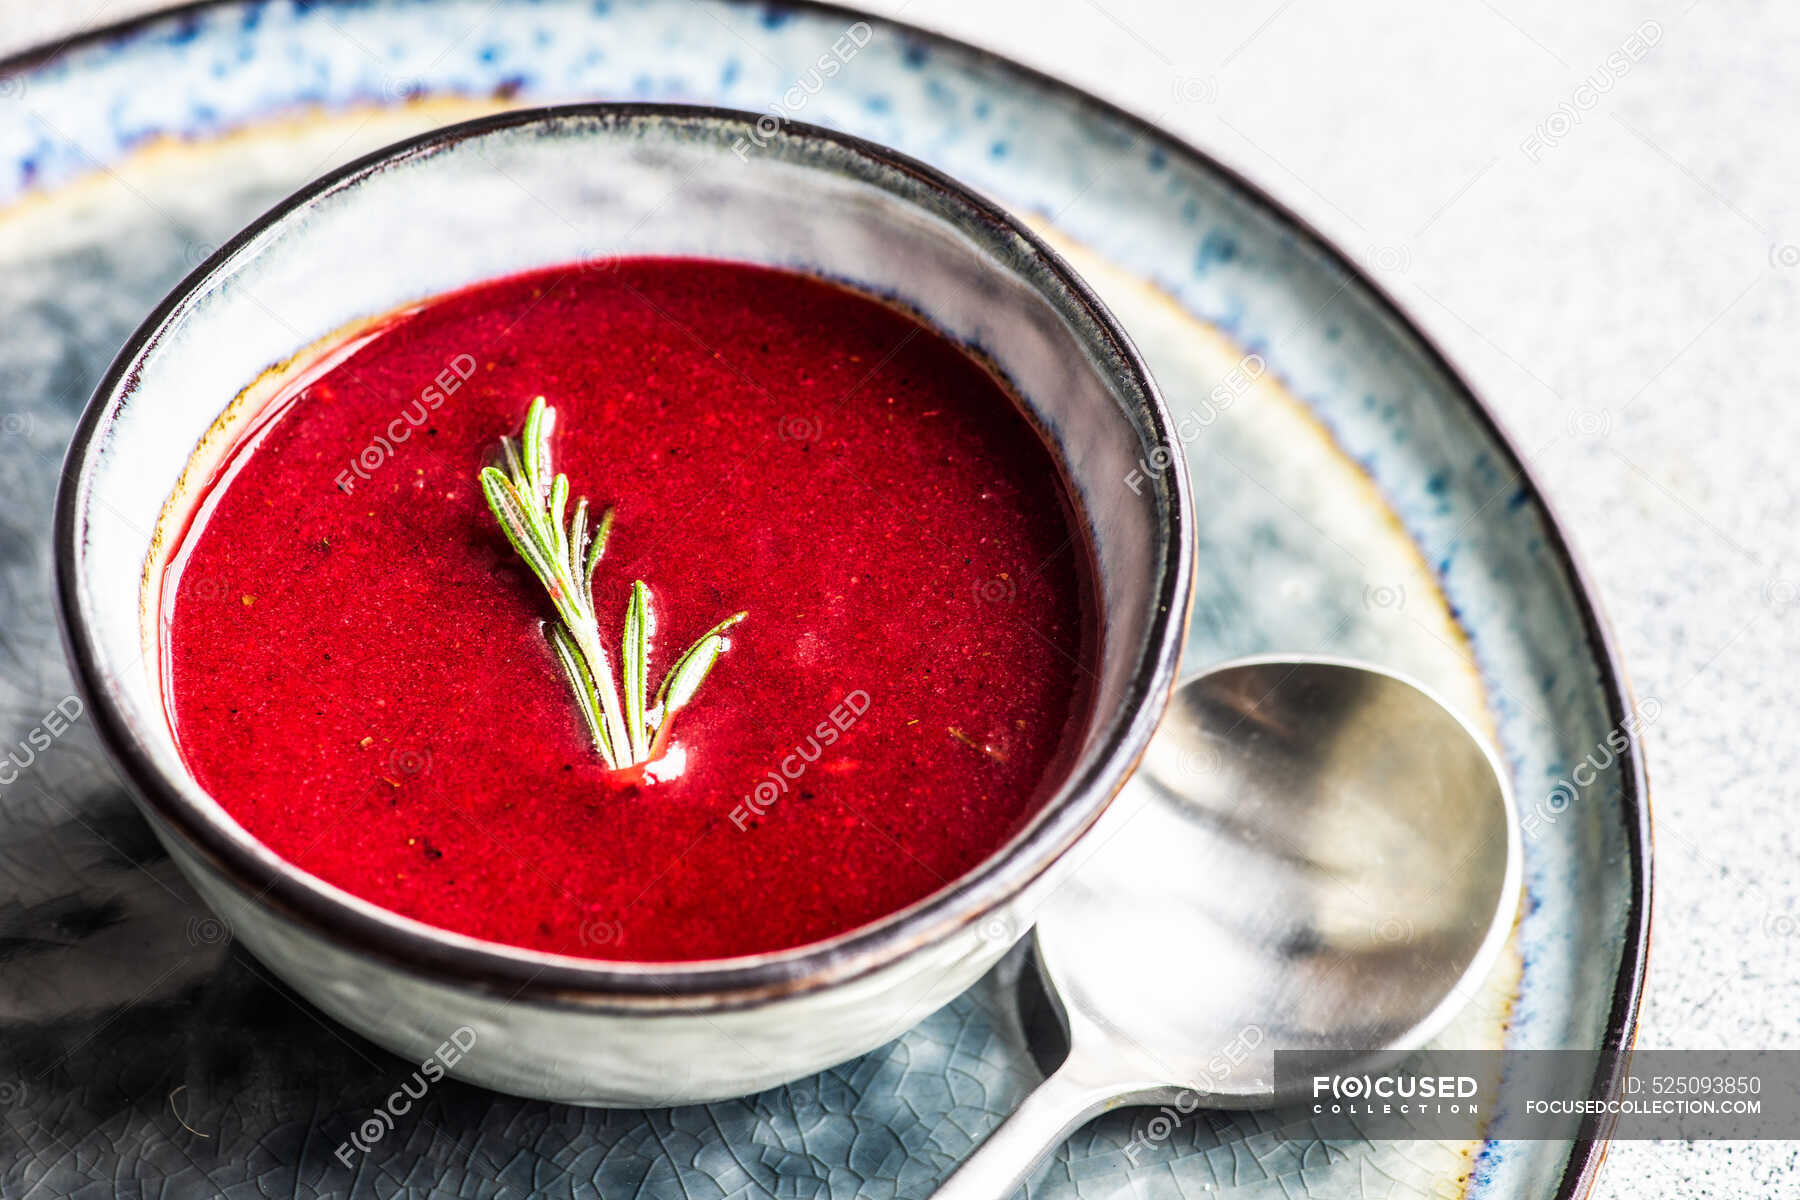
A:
{"x": 1596, "y": 209}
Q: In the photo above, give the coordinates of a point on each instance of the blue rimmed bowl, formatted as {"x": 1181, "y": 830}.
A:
{"x": 468, "y": 203}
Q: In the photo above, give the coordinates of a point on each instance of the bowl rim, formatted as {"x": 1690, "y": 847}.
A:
{"x": 519, "y": 973}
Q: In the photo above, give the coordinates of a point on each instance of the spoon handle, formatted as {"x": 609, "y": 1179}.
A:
{"x": 1057, "y": 1106}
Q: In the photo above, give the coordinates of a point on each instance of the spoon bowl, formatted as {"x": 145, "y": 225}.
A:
{"x": 1314, "y": 855}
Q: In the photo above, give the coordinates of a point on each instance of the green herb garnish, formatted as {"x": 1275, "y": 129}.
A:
{"x": 529, "y": 502}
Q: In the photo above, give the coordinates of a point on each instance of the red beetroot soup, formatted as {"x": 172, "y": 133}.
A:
{"x": 356, "y": 669}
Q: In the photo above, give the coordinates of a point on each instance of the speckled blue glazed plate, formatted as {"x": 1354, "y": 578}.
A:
{"x": 1353, "y": 498}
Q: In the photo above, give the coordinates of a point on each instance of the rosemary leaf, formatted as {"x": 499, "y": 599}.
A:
{"x": 578, "y": 541}
{"x": 670, "y": 698}
{"x": 530, "y": 501}
{"x": 536, "y": 440}
{"x": 634, "y": 655}
{"x": 686, "y": 678}
{"x": 600, "y": 536}
{"x": 582, "y": 683}
{"x": 559, "y": 500}
{"x": 509, "y": 509}
{"x": 509, "y": 455}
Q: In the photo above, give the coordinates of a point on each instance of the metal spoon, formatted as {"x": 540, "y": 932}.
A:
{"x": 1314, "y": 855}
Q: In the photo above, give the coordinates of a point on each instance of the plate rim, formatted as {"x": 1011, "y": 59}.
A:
{"x": 1589, "y": 1150}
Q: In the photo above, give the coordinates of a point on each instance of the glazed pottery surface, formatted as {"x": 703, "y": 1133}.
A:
{"x": 466, "y": 204}
{"x": 1351, "y": 496}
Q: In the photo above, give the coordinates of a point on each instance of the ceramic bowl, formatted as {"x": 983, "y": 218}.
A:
{"x": 566, "y": 185}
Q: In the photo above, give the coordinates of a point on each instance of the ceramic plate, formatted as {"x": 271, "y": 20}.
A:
{"x": 1353, "y": 498}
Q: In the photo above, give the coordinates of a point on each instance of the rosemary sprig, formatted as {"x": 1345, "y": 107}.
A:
{"x": 529, "y": 501}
